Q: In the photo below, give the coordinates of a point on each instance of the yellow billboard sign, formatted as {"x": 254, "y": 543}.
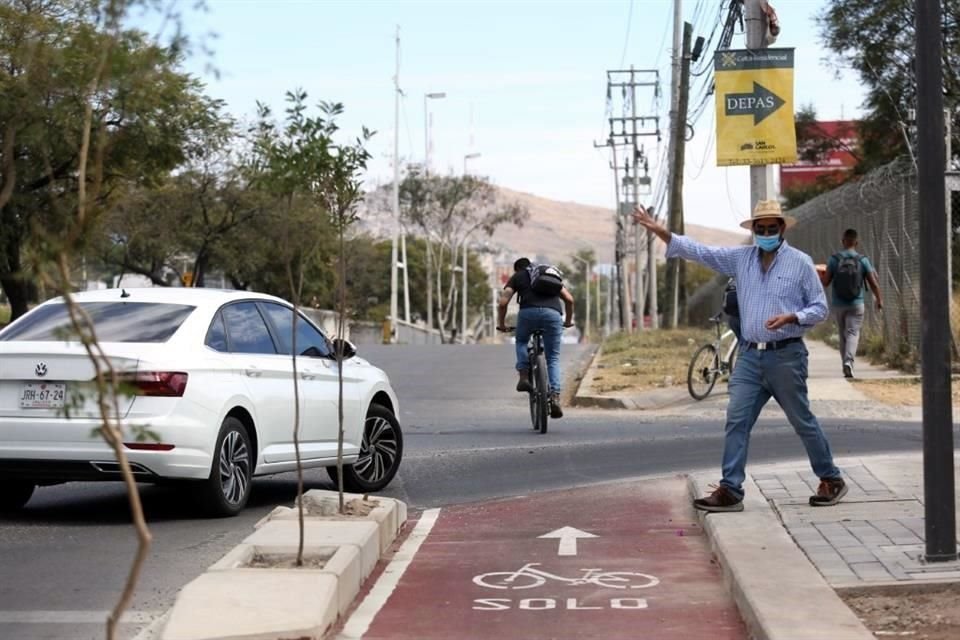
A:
{"x": 754, "y": 98}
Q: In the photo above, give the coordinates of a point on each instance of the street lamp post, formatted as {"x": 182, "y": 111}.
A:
{"x": 426, "y": 127}
{"x": 469, "y": 156}
{"x": 463, "y": 308}
{"x": 426, "y": 172}
{"x": 586, "y": 280}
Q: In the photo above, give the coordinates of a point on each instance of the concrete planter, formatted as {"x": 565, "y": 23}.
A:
{"x": 389, "y": 514}
{"x": 234, "y": 600}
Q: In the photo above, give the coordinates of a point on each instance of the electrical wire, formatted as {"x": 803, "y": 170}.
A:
{"x": 626, "y": 39}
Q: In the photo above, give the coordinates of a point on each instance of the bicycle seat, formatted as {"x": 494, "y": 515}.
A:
{"x": 717, "y": 318}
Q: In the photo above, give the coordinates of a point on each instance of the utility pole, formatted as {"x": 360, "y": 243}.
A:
{"x": 463, "y": 308}
{"x": 673, "y": 264}
{"x": 761, "y": 176}
{"x": 396, "y": 196}
{"x": 678, "y": 143}
{"x": 938, "y": 478}
{"x": 626, "y": 131}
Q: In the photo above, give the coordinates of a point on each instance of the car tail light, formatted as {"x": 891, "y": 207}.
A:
{"x": 156, "y": 383}
{"x": 148, "y": 446}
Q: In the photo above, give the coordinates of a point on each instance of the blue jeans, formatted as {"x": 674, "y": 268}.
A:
{"x": 551, "y": 323}
{"x": 758, "y": 376}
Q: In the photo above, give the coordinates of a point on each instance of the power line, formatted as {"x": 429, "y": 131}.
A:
{"x": 626, "y": 39}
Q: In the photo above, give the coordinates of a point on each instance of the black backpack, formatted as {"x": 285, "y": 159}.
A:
{"x": 848, "y": 277}
{"x": 545, "y": 279}
{"x": 730, "y": 305}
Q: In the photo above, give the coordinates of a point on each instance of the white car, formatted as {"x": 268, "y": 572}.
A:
{"x": 208, "y": 396}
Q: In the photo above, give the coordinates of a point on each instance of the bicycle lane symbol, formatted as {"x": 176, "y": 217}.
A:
{"x": 532, "y": 576}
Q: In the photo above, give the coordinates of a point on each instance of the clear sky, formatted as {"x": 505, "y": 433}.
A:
{"x": 525, "y": 82}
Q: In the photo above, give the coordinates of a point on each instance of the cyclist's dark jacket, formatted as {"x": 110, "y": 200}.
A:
{"x": 520, "y": 282}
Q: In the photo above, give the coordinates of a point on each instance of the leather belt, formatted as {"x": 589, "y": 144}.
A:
{"x": 777, "y": 344}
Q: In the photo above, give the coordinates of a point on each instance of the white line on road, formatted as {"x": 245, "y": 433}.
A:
{"x": 74, "y": 617}
{"x": 362, "y": 618}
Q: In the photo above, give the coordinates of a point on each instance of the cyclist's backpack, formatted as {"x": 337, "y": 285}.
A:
{"x": 848, "y": 278}
{"x": 730, "y": 305}
{"x": 545, "y": 279}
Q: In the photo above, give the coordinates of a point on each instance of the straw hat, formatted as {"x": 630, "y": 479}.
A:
{"x": 766, "y": 209}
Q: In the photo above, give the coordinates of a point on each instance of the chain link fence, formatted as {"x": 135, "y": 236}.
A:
{"x": 883, "y": 208}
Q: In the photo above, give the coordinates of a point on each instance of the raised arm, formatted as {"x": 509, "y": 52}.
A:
{"x": 720, "y": 259}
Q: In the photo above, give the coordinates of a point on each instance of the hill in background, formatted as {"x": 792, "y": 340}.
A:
{"x": 554, "y": 231}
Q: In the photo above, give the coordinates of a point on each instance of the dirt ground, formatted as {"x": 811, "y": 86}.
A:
{"x": 927, "y": 612}
{"x": 898, "y": 391}
{"x": 647, "y": 360}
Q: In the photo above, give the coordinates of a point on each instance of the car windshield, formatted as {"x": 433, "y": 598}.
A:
{"x": 112, "y": 321}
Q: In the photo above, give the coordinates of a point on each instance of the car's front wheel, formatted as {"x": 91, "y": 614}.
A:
{"x": 380, "y": 453}
{"x": 14, "y": 494}
{"x": 226, "y": 491}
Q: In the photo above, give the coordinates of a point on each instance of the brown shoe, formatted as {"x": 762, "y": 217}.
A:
{"x": 829, "y": 492}
{"x": 523, "y": 384}
{"x": 720, "y": 500}
{"x": 556, "y": 411}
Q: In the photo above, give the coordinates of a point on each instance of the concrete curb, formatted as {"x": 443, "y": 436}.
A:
{"x": 233, "y": 601}
{"x": 773, "y": 583}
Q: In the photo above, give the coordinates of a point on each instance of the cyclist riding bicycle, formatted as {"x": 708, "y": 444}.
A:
{"x": 538, "y": 311}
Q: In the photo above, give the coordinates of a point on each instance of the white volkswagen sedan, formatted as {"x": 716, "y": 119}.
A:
{"x": 208, "y": 396}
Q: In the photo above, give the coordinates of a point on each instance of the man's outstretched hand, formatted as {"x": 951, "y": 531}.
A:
{"x": 643, "y": 218}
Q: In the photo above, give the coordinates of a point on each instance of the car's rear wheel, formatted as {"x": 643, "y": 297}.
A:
{"x": 14, "y": 494}
{"x": 380, "y": 453}
{"x": 226, "y": 491}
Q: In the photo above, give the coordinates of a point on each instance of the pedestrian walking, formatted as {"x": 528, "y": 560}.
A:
{"x": 848, "y": 271}
{"x": 780, "y": 297}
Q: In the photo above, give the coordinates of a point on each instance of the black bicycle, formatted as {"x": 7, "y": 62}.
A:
{"x": 712, "y": 361}
{"x": 540, "y": 401}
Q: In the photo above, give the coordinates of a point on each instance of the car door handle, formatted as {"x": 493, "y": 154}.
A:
{"x": 253, "y": 372}
{"x": 308, "y": 375}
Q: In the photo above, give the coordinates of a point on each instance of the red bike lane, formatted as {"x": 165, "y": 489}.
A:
{"x": 613, "y": 561}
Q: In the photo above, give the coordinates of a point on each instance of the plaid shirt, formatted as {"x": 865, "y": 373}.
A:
{"x": 790, "y": 285}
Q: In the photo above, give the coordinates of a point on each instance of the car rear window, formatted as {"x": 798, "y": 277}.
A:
{"x": 113, "y": 322}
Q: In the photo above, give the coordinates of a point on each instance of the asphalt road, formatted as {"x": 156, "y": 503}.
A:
{"x": 467, "y": 438}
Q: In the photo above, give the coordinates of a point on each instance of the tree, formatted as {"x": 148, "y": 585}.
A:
{"x": 313, "y": 184}
{"x": 449, "y": 211}
{"x": 81, "y": 115}
{"x": 876, "y": 39}
{"x": 70, "y": 85}
{"x": 181, "y": 227}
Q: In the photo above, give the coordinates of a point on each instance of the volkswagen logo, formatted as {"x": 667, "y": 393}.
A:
{"x": 41, "y": 369}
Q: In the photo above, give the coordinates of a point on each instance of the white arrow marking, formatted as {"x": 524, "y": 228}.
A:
{"x": 568, "y": 539}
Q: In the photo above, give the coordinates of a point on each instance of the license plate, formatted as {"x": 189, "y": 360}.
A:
{"x": 42, "y": 395}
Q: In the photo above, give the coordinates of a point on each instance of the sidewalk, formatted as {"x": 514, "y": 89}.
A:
{"x": 831, "y": 395}
{"x": 785, "y": 584}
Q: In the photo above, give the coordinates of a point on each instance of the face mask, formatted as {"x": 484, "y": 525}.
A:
{"x": 767, "y": 243}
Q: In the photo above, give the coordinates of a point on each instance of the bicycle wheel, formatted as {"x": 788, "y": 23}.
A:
{"x": 703, "y": 372}
{"x": 533, "y": 397}
{"x": 542, "y": 389}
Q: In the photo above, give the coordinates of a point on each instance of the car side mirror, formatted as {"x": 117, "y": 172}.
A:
{"x": 348, "y": 348}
